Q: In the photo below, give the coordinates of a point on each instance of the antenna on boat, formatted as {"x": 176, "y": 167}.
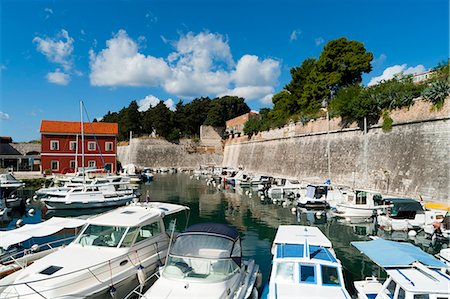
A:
{"x": 82, "y": 142}
{"x": 170, "y": 242}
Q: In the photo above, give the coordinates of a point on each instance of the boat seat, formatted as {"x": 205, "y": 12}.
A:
{"x": 213, "y": 253}
{"x": 200, "y": 266}
{"x": 116, "y": 236}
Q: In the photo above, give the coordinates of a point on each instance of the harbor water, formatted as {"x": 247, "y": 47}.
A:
{"x": 256, "y": 220}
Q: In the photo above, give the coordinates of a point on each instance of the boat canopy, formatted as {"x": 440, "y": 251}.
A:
{"x": 9, "y": 180}
{"x": 304, "y": 251}
{"x": 46, "y": 228}
{"x": 390, "y": 254}
{"x": 209, "y": 240}
{"x": 298, "y": 234}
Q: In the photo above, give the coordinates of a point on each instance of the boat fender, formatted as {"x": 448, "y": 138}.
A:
{"x": 293, "y": 210}
{"x": 412, "y": 233}
{"x": 141, "y": 275}
{"x": 112, "y": 291}
{"x": 19, "y": 223}
{"x": 35, "y": 248}
{"x": 28, "y": 201}
{"x": 258, "y": 280}
{"x": 31, "y": 212}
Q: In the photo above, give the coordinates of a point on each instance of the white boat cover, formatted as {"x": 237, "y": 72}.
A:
{"x": 46, "y": 228}
{"x": 297, "y": 234}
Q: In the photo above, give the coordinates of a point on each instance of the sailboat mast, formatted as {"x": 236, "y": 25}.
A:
{"x": 82, "y": 143}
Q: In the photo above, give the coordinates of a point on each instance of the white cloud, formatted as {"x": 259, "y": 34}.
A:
{"x": 201, "y": 65}
{"x": 120, "y": 64}
{"x": 2, "y": 68}
{"x": 149, "y": 15}
{"x": 48, "y": 12}
{"x": 250, "y": 70}
{"x": 379, "y": 61}
{"x": 267, "y": 99}
{"x": 392, "y": 71}
{"x": 57, "y": 50}
{"x": 294, "y": 35}
{"x": 319, "y": 41}
{"x": 250, "y": 92}
{"x": 58, "y": 77}
{"x": 151, "y": 101}
{"x": 4, "y": 116}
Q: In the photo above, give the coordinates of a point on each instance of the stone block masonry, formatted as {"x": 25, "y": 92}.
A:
{"x": 155, "y": 152}
{"x": 413, "y": 159}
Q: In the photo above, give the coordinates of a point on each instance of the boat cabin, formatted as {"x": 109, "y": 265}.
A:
{"x": 403, "y": 208}
{"x": 205, "y": 252}
{"x": 126, "y": 226}
{"x": 412, "y": 273}
{"x": 304, "y": 265}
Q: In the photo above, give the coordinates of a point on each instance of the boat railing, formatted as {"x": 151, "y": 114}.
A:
{"x": 139, "y": 290}
{"x": 109, "y": 268}
{"x": 10, "y": 258}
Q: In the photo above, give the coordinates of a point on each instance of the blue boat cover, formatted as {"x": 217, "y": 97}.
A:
{"x": 297, "y": 251}
{"x": 290, "y": 250}
{"x": 390, "y": 254}
{"x": 213, "y": 228}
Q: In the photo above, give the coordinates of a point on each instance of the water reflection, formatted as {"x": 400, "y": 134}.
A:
{"x": 254, "y": 216}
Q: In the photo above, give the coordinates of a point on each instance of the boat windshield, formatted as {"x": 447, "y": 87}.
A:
{"x": 199, "y": 269}
{"x": 205, "y": 246}
{"x": 203, "y": 257}
{"x": 101, "y": 235}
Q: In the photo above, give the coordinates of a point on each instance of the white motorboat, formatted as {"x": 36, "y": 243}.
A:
{"x": 206, "y": 262}
{"x": 412, "y": 273}
{"x": 88, "y": 196}
{"x": 405, "y": 214}
{"x": 285, "y": 187}
{"x": 121, "y": 183}
{"x": 8, "y": 191}
{"x": 440, "y": 228}
{"x": 24, "y": 245}
{"x": 320, "y": 196}
{"x": 360, "y": 204}
{"x": 304, "y": 265}
{"x": 105, "y": 260}
{"x": 146, "y": 175}
{"x": 444, "y": 256}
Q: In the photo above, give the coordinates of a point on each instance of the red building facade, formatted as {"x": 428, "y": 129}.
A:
{"x": 61, "y": 146}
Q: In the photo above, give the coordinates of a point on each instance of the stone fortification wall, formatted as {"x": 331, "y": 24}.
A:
{"x": 156, "y": 152}
{"x": 411, "y": 160}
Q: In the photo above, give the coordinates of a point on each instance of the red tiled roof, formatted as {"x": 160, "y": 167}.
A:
{"x": 53, "y": 126}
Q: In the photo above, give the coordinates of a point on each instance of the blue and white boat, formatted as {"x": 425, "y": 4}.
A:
{"x": 304, "y": 265}
{"x": 412, "y": 273}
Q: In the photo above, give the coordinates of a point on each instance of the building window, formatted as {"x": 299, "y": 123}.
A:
{"x": 73, "y": 145}
{"x": 91, "y": 145}
{"x": 72, "y": 164}
{"x": 54, "y": 145}
{"x": 109, "y": 146}
{"x": 108, "y": 167}
{"x": 55, "y": 165}
{"x": 91, "y": 164}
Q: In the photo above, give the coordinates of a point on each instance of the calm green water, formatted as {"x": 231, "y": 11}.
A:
{"x": 257, "y": 222}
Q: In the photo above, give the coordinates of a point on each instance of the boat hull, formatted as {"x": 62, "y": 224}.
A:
{"x": 61, "y": 205}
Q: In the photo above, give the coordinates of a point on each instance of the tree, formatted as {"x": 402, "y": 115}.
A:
{"x": 225, "y": 108}
{"x": 162, "y": 119}
{"x": 342, "y": 63}
{"x": 252, "y": 126}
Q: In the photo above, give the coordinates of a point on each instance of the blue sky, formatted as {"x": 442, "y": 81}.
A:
{"x": 107, "y": 53}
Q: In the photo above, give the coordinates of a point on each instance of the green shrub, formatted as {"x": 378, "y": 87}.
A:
{"x": 437, "y": 92}
{"x": 387, "y": 121}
